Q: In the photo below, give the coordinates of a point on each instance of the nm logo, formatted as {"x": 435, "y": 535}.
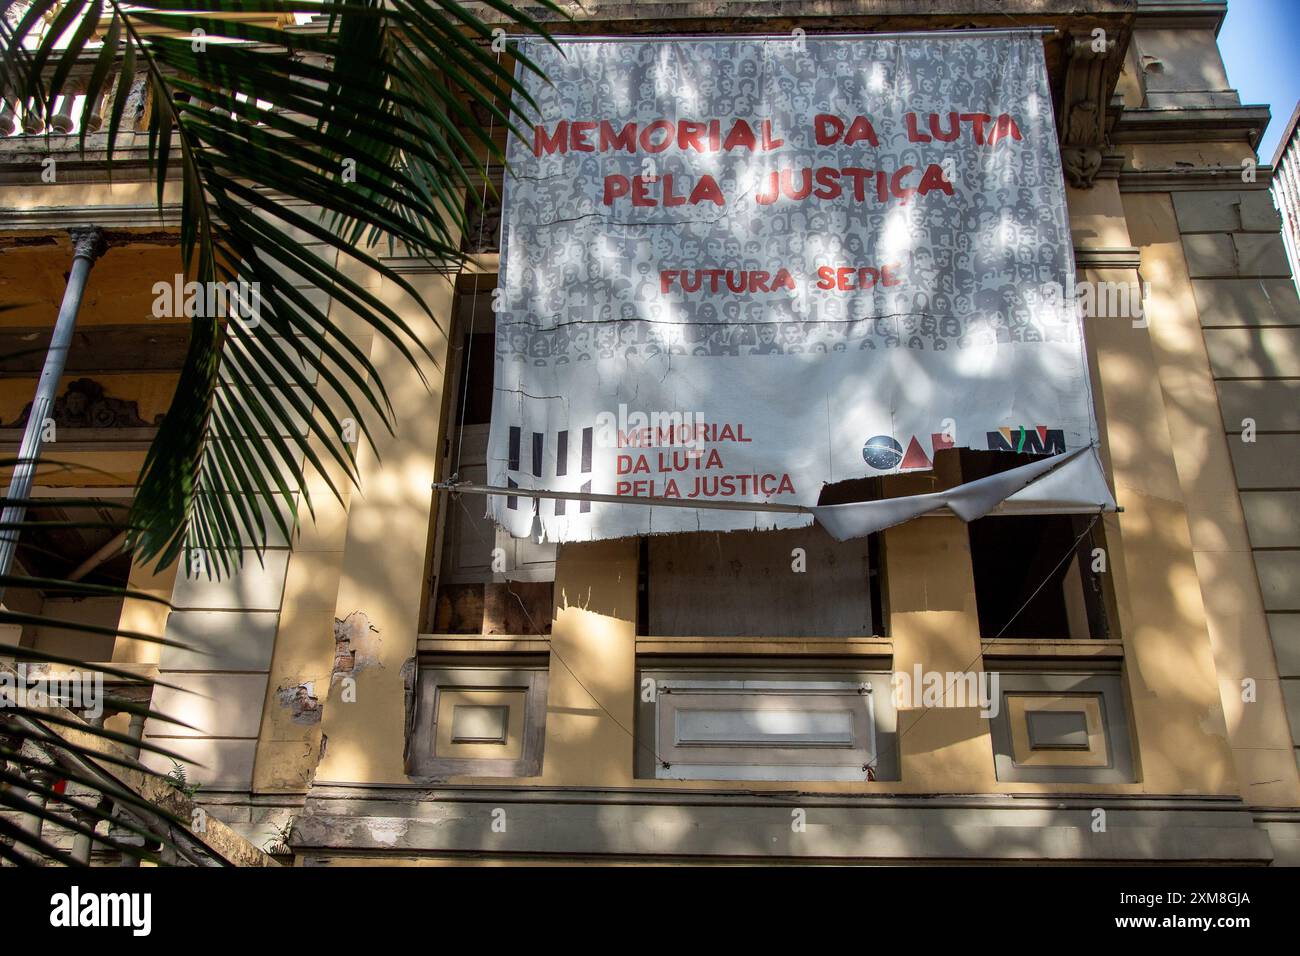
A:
{"x": 1039, "y": 440}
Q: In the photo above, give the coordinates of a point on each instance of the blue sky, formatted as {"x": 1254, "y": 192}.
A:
{"x": 1260, "y": 41}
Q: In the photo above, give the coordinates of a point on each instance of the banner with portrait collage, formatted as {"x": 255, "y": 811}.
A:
{"x": 740, "y": 269}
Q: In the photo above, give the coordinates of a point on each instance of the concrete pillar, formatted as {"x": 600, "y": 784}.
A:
{"x": 934, "y": 623}
{"x": 594, "y": 634}
{"x": 82, "y": 844}
{"x": 88, "y": 245}
{"x": 31, "y": 822}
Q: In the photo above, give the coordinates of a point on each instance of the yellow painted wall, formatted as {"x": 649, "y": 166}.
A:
{"x": 1182, "y": 743}
{"x": 1189, "y": 623}
{"x": 1237, "y": 627}
{"x": 363, "y": 565}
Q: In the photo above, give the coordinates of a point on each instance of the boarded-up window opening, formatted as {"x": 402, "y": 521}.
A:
{"x": 747, "y": 583}
{"x": 479, "y": 589}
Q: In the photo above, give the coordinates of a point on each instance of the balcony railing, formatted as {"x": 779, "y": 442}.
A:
{"x": 62, "y": 116}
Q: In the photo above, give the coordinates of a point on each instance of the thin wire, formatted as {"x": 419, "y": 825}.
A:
{"x": 1031, "y": 597}
{"x": 473, "y": 308}
{"x": 559, "y": 657}
{"x": 925, "y": 709}
{"x": 644, "y": 746}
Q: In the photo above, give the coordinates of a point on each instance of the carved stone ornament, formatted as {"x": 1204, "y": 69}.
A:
{"x": 1083, "y": 108}
{"x": 88, "y": 243}
{"x": 1081, "y": 165}
{"x": 85, "y": 404}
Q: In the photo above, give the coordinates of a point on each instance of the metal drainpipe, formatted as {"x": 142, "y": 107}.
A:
{"x": 88, "y": 245}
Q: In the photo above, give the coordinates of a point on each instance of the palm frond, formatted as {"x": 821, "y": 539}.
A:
{"x": 296, "y": 150}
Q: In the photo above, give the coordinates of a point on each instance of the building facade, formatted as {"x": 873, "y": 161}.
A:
{"x": 1286, "y": 188}
{"x": 377, "y": 690}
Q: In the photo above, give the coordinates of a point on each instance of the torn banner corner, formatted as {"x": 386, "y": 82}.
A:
{"x": 1073, "y": 482}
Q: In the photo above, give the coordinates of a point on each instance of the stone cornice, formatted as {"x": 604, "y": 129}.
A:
{"x": 1210, "y": 124}
{"x": 410, "y": 796}
{"x": 1171, "y": 14}
{"x": 21, "y": 159}
{"x": 1184, "y": 179}
{"x": 743, "y": 15}
{"x": 674, "y": 822}
{"x": 54, "y": 218}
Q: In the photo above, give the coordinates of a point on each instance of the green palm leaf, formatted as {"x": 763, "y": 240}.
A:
{"x": 356, "y": 130}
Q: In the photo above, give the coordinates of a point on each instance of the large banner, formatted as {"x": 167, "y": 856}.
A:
{"x": 739, "y": 269}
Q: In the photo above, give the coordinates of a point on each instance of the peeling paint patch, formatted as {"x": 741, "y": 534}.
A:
{"x": 356, "y": 646}
{"x": 304, "y": 707}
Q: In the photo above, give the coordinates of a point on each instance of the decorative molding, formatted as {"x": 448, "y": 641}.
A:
{"x": 432, "y": 753}
{"x": 712, "y": 729}
{"x": 1056, "y": 650}
{"x": 1107, "y": 257}
{"x": 1097, "y": 695}
{"x": 1089, "y": 75}
{"x": 86, "y": 404}
{"x": 417, "y": 265}
{"x": 1180, "y": 14}
{"x": 60, "y": 218}
{"x": 88, "y": 439}
{"x": 705, "y": 823}
{"x": 656, "y": 794}
{"x": 109, "y": 217}
{"x": 482, "y": 644}
{"x": 1189, "y": 178}
{"x": 1081, "y": 165}
{"x": 483, "y": 224}
{"x": 88, "y": 242}
{"x": 769, "y": 16}
{"x": 1112, "y": 164}
{"x": 1191, "y": 125}
{"x": 752, "y": 701}
{"x": 22, "y": 157}
{"x": 879, "y": 648}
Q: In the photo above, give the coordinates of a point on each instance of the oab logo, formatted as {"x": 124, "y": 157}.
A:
{"x": 74, "y": 909}
{"x": 882, "y": 452}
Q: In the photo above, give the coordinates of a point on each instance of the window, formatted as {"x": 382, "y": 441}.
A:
{"x": 1033, "y": 581}
{"x": 1034, "y": 576}
{"x": 730, "y": 722}
{"x": 483, "y": 581}
{"x": 796, "y": 583}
